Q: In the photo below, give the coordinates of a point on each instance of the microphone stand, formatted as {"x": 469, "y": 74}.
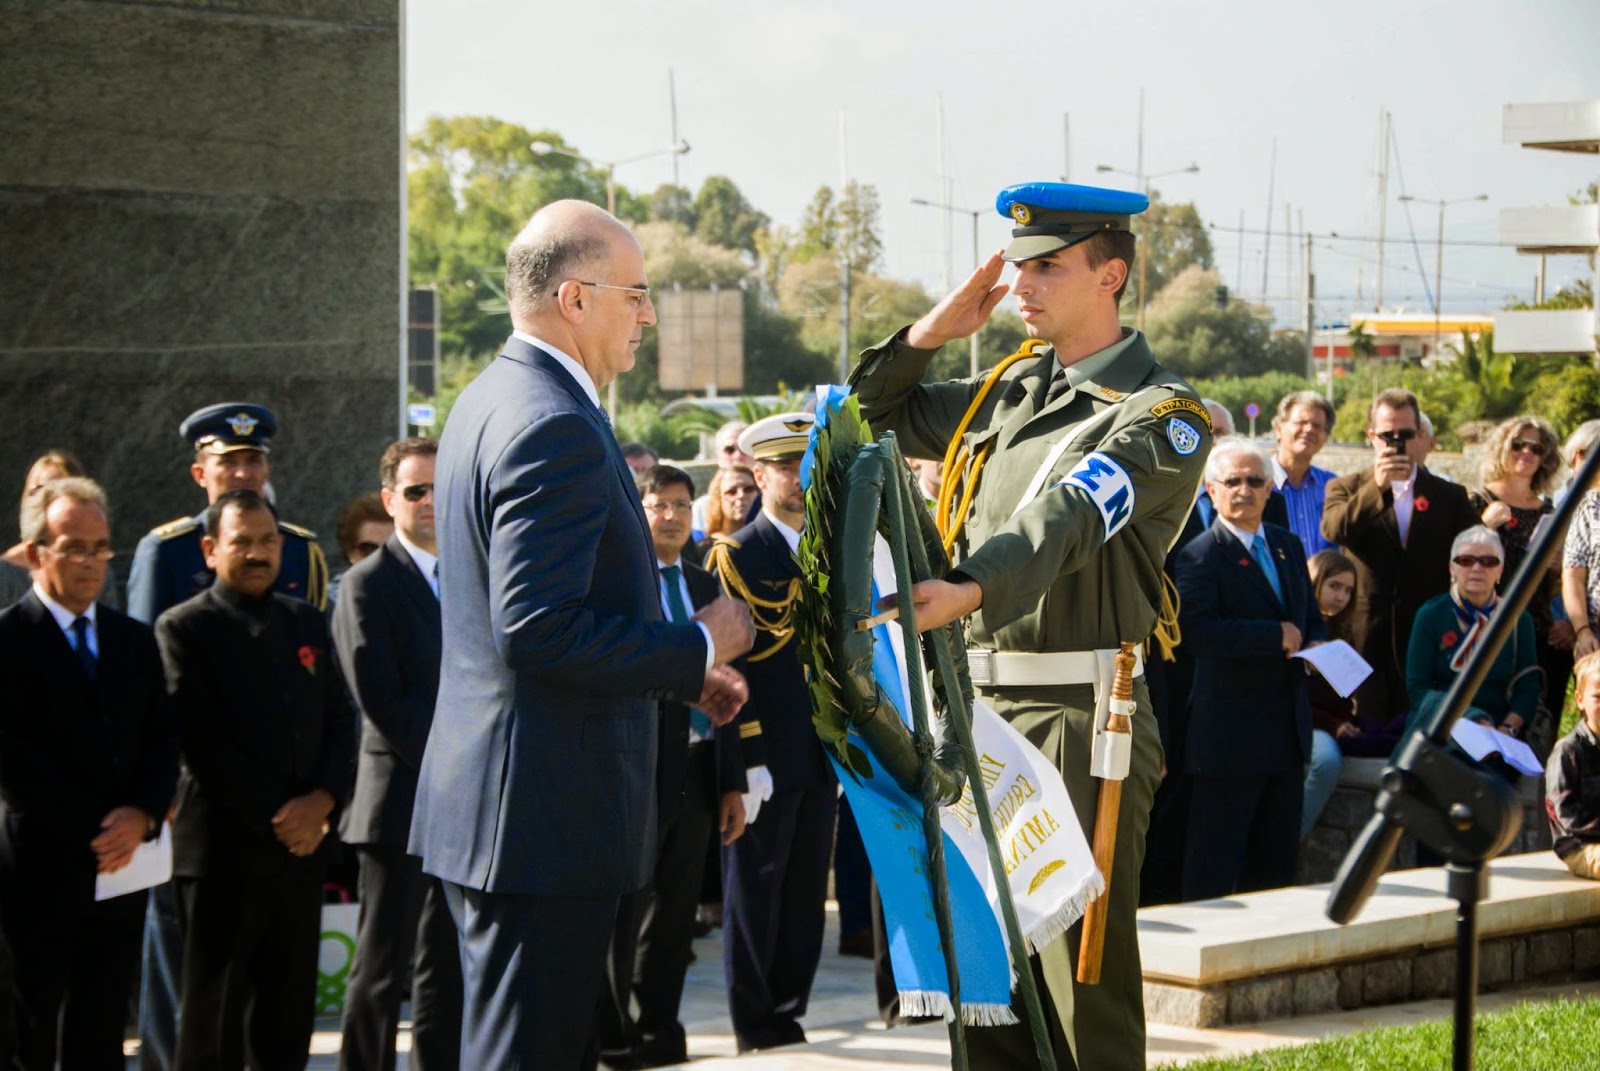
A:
{"x": 1464, "y": 813}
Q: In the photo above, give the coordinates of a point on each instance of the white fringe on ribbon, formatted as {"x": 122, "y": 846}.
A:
{"x": 1069, "y": 911}
{"x": 925, "y": 1002}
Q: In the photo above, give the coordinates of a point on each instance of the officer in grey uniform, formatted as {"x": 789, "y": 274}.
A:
{"x": 1078, "y": 461}
{"x": 231, "y": 444}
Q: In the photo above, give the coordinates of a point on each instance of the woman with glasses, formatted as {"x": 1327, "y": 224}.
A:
{"x": 364, "y": 526}
{"x": 1448, "y": 630}
{"x": 1520, "y": 460}
{"x": 731, "y": 499}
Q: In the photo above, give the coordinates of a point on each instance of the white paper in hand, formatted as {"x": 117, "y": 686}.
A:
{"x": 1339, "y": 665}
{"x": 151, "y": 866}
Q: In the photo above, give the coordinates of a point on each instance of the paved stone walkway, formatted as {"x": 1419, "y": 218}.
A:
{"x": 844, "y": 1033}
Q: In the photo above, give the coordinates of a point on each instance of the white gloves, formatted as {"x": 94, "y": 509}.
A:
{"x": 758, "y": 782}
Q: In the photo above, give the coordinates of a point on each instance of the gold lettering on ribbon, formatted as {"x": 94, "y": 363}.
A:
{"x": 1034, "y": 832}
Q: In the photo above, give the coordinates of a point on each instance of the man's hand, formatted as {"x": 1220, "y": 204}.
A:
{"x": 1391, "y": 467}
{"x": 964, "y": 310}
{"x": 124, "y": 828}
{"x": 301, "y": 823}
{"x": 1560, "y": 635}
{"x": 724, "y": 693}
{"x": 1291, "y": 638}
{"x": 730, "y": 817}
{"x": 938, "y": 602}
{"x": 1497, "y": 514}
{"x": 732, "y": 631}
{"x": 1345, "y": 730}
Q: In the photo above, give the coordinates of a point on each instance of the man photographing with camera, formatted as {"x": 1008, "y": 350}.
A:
{"x": 1395, "y": 521}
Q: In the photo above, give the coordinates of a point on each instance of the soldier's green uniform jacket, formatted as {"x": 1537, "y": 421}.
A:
{"x": 169, "y": 567}
{"x": 1052, "y": 578}
{"x": 1069, "y": 557}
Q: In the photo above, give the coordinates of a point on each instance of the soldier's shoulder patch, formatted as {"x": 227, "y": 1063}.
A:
{"x": 1181, "y": 405}
{"x": 173, "y": 529}
{"x": 295, "y": 529}
{"x": 1183, "y": 436}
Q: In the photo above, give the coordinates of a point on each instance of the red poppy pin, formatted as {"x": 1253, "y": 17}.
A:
{"x": 1245, "y": 562}
{"x": 1422, "y": 505}
{"x": 308, "y": 659}
{"x": 1448, "y": 640}
{"x": 1511, "y": 522}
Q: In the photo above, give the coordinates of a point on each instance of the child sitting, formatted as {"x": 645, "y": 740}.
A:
{"x": 1572, "y": 779}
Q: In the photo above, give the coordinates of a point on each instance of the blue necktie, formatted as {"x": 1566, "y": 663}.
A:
{"x": 677, "y": 612}
{"x": 80, "y": 638}
{"x": 1264, "y": 559}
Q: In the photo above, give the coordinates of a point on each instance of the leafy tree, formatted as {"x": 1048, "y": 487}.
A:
{"x": 673, "y": 257}
{"x": 723, "y": 217}
{"x": 844, "y": 223}
{"x": 1175, "y": 239}
{"x": 672, "y": 204}
{"x": 1194, "y": 338}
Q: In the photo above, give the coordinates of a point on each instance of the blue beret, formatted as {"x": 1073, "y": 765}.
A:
{"x": 1054, "y": 215}
{"x": 218, "y": 429}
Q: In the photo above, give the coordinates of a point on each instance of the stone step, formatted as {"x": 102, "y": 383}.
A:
{"x": 1270, "y": 954}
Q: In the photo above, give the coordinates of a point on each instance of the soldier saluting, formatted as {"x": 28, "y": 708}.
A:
{"x": 1069, "y": 470}
{"x": 230, "y": 444}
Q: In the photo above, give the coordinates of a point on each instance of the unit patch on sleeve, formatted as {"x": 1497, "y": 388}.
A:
{"x": 1182, "y": 405}
{"x": 1109, "y": 485}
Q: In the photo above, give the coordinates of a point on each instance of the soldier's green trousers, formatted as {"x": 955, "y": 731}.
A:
{"x": 1092, "y": 1027}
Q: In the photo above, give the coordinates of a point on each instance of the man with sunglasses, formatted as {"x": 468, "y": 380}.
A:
{"x": 1395, "y": 521}
{"x": 387, "y": 633}
{"x": 1247, "y": 607}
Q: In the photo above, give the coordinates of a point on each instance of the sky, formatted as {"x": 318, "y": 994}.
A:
{"x": 1030, "y": 92}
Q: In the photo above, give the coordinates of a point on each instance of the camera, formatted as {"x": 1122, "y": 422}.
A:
{"x": 1397, "y": 441}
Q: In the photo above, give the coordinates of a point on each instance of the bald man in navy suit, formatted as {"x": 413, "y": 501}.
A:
{"x": 536, "y": 798}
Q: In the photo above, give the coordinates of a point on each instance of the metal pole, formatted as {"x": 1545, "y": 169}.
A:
{"x": 405, "y": 260}
{"x": 844, "y": 314}
{"x": 973, "y": 342}
{"x": 1438, "y": 280}
{"x": 1466, "y": 884}
{"x": 1383, "y": 203}
{"x": 1311, "y": 317}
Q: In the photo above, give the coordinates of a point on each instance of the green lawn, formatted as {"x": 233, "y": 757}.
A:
{"x": 1553, "y": 1035}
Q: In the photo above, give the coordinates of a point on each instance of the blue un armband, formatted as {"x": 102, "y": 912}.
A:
{"x": 1109, "y": 485}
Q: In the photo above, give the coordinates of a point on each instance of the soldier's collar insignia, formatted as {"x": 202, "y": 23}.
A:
{"x": 242, "y": 424}
{"x": 1111, "y": 395}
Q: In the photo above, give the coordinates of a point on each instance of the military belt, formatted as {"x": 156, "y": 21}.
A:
{"x": 1028, "y": 669}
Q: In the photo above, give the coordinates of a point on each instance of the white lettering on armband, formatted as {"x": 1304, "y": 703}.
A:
{"x": 1108, "y": 485}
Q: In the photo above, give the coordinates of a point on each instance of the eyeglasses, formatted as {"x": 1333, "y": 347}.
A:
{"x": 1533, "y": 446}
{"x": 738, "y": 492}
{"x": 659, "y": 508}
{"x": 366, "y": 547}
{"x": 77, "y": 552}
{"x": 637, "y": 295}
{"x": 1403, "y": 435}
{"x": 1467, "y": 561}
{"x": 416, "y": 492}
{"x": 1255, "y": 482}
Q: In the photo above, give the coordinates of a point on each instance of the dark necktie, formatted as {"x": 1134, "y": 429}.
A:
{"x": 677, "y": 612}
{"x": 1058, "y": 387}
{"x": 80, "y": 638}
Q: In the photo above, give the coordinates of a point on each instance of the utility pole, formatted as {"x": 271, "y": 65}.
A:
{"x": 1066, "y": 147}
{"x": 844, "y": 261}
{"x": 1266, "y": 249}
{"x": 946, "y": 253}
{"x": 1383, "y": 202}
{"x": 1311, "y": 316}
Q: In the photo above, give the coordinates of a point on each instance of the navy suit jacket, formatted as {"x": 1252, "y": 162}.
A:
{"x": 386, "y": 630}
{"x": 539, "y": 772}
{"x": 775, "y": 725}
{"x": 1249, "y": 708}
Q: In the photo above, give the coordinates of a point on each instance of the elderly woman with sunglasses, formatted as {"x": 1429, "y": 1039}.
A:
{"x": 1449, "y": 628}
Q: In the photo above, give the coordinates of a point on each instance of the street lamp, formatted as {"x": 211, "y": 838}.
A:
{"x": 1438, "y": 260}
{"x": 1144, "y": 181}
{"x": 546, "y": 148}
{"x": 974, "y": 213}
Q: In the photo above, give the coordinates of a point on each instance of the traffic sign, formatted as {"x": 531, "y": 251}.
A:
{"x": 420, "y": 415}
{"x": 1252, "y": 410}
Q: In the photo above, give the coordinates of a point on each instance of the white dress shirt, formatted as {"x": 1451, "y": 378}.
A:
{"x": 1404, "y": 500}
{"x": 65, "y": 617}
{"x": 428, "y": 563}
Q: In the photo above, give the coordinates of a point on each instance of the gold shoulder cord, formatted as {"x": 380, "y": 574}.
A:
{"x": 770, "y": 615}
{"x": 962, "y": 471}
{"x": 316, "y": 576}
